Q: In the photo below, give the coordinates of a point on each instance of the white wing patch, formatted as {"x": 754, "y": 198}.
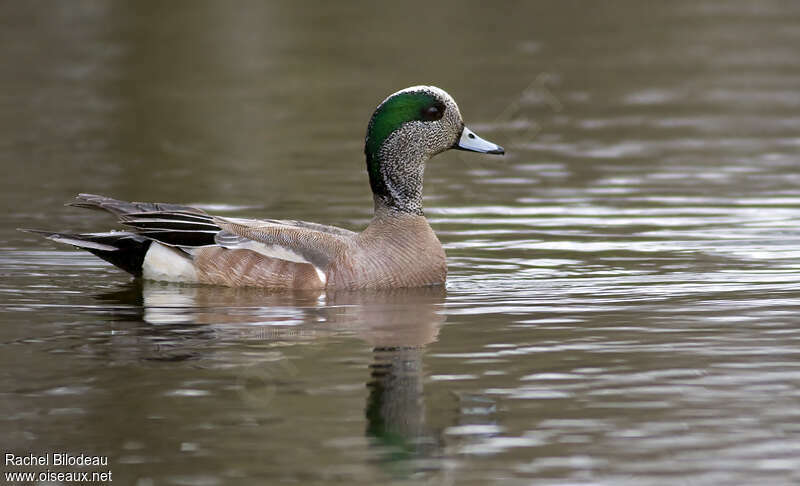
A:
{"x": 167, "y": 264}
{"x": 272, "y": 251}
{"x": 233, "y": 241}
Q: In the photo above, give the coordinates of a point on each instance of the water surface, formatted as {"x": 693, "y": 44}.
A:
{"x": 623, "y": 293}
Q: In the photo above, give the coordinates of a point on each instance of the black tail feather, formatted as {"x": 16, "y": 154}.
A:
{"x": 171, "y": 224}
{"x": 123, "y": 249}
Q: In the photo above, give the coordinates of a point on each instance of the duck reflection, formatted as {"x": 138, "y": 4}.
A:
{"x": 395, "y": 407}
{"x": 397, "y": 324}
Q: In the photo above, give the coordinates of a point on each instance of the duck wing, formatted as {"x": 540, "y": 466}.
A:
{"x": 181, "y": 243}
{"x": 290, "y": 240}
{"x": 295, "y": 241}
{"x": 236, "y": 252}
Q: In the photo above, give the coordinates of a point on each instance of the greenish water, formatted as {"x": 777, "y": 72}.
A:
{"x": 622, "y": 305}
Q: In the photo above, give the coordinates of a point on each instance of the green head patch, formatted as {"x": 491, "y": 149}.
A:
{"x": 397, "y": 110}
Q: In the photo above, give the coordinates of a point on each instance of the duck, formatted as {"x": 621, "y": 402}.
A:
{"x": 398, "y": 248}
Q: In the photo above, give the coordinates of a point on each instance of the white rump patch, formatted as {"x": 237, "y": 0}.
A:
{"x": 167, "y": 264}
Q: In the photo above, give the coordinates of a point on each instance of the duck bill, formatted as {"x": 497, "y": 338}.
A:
{"x": 473, "y": 143}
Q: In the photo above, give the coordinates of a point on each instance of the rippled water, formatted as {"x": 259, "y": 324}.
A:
{"x": 623, "y": 292}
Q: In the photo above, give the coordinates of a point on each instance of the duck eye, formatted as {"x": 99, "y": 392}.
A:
{"x": 433, "y": 112}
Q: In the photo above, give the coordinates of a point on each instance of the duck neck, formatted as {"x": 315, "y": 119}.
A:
{"x": 396, "y": 179}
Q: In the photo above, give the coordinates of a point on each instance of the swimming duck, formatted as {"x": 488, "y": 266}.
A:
{"x": 398, "y": 248}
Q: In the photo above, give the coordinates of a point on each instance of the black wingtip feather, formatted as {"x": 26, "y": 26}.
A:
{"x": 119, "y": 208}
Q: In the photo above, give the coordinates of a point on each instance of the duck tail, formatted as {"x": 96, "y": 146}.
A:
{"x": 123, "y": 249}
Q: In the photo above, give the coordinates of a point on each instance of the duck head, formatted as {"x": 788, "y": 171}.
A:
{"x": 408, "y": 128}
